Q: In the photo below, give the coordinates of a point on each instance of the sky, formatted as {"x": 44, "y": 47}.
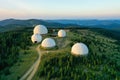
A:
{"x": 60, "y": 9}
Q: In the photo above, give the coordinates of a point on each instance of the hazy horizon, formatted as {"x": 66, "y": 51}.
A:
{"x": 60, "y": 9}
{"x": 55, "y": 19}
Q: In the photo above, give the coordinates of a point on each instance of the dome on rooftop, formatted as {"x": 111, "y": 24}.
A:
{"x": 40, "y": 29}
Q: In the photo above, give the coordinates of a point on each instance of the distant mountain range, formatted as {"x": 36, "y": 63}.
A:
{"x": 107, "y": 24}
{"x": 27, "y": 23}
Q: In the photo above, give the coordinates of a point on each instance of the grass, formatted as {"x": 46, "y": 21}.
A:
{"x": 102, "y": 62}
{"x": 48, "y": 49}
{"x": 26, "y": 59}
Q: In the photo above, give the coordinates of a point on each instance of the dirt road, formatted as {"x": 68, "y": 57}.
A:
{"x": 33, "y": 69}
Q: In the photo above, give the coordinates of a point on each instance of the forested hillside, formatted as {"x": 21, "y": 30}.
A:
{"x": 102, "y": 63}
{"x": 11, "y": 43}
{"x": 106, "y": 24}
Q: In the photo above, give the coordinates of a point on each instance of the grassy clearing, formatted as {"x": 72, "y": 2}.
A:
{"x": 26, "y": 59}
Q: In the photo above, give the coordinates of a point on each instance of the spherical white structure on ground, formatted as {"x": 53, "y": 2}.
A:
{"x": 79, "y": 49}
{"x": 61, "y": 33}
{"x": 48, "y": 43}
{"x": 36, "y": 38}
{"x": 40, "y": 29}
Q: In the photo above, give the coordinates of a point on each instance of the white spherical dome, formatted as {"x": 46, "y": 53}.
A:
{"x": 40, "y": 29}
{"x": 36, "y": 38}
{"x": 61, "y": 33}
{"x": 48, "y": 43}
{"x": 79, "y": 49}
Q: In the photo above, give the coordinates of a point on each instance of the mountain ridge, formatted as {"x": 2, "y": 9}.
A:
{"x": 107, "y": 24}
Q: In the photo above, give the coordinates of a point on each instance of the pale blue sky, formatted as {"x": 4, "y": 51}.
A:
{"x": 60, "y": 9}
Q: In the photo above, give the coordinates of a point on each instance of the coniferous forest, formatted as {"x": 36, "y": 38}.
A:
{"x": 11, "y": 43}
{"x": 102, "y": 62}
